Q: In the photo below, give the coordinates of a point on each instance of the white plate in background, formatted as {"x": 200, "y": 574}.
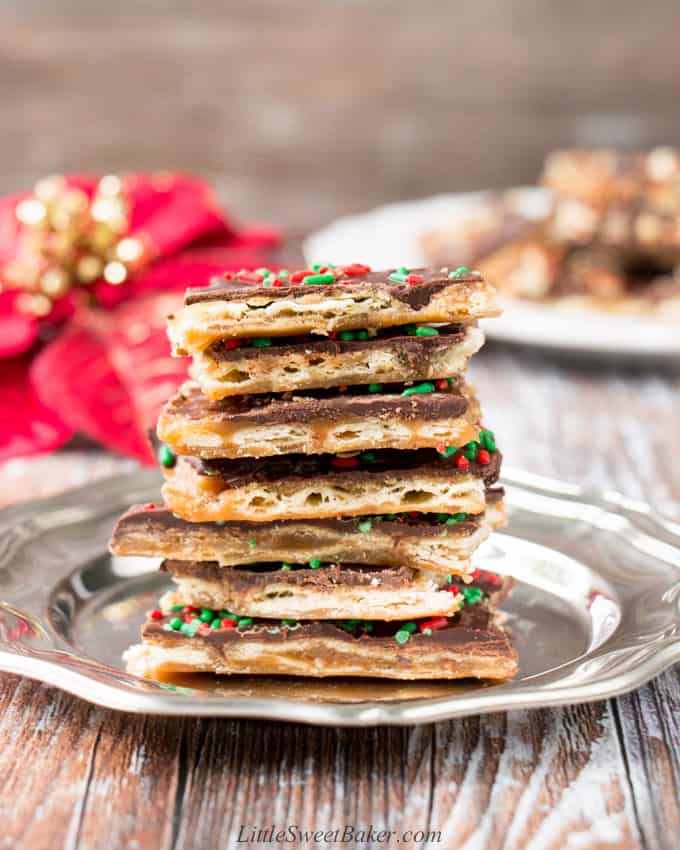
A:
{"x": 389, "y": 236}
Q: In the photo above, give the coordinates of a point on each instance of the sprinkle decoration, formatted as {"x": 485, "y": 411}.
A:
{"x": 461, "y": 271}
{"x": 399, "y": 276}
{"x": 345, "y": 462}
{"x": 166, "y": 457}
{"x": 419, "y": 389}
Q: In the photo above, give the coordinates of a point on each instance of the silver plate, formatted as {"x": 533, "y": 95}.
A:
{"x": 596, "y": 611}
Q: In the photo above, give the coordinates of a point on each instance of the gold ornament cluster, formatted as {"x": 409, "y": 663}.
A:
{"x": 68, "y": 240}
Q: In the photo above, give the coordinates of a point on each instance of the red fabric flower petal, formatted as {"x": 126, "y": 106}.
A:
{"x": 108, "y": 374}
{"x": 27, "y": 427}
{"x": 74, "y": 376}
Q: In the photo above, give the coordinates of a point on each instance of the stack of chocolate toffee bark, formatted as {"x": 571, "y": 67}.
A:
{"x": 327, "y": 482}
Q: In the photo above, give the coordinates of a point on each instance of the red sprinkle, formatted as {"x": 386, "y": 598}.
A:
{"x": 156, "y": 614}
{"x": 296, "y": 277}
{"x": 342, "y": 388}
{"x": 483, "y": 457}
{"x": 149, "y": 506}
{"x": 461, "y": 462}
{"x": 191, "y": 609}
{"x": 230, "y": 344}
{"x": 277, "y": 282}
{"x": 228, "y": 275}
{"x": 356, "y": 268}
{"x": 434, "y": 623}
{"x": 345, "y": 462}
{"x": 228, "y": 624}
{"x": 250, "y": 277}
{"x": 475, "y": 574}
{"x": 414, "y": 514}
{"x": 412, "y": 279}
{"x": 442, "y": 385}
{"x": 204, "y": 629}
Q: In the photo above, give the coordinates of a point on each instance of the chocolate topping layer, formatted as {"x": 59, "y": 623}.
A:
{"x": 415, "y": 296}
{"x": 326, "y": 577}
{"x": 239, "y": 471}
{"x": 409, "y": 347}
{"x": 156, "y": 521}
{"x": 474, "y": 623}
{"x": 313, "y": 405}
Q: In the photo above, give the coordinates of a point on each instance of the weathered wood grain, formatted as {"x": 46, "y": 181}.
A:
{"x": 605, "y": 775}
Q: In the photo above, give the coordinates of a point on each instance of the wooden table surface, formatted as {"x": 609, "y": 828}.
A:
{"x": 590, "y": 776}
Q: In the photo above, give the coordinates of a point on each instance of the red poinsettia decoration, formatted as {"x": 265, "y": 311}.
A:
{"x": 73, "y": 356}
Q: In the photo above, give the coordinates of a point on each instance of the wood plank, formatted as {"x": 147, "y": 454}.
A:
{"x": 73, "y": 775}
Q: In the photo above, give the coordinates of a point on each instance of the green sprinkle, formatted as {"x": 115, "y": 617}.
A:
{"x": 375, "y": 388}
{"x": 450, "y": 381}
{"x": 424, "y": 330}
{"x": 191, "y": 628}
{"x": 220, "y": 521}
{"x": 348, "y": 625}
{"x": 366, "y": 525}
{"x": 460, "y": 517}
{"x": 244, "y": 621}
{"x": 207, "y": 615}
{"x": 459, "y": 272}
{"x": 177, "y": 516}
{"x": 286, "y": 567}
{"x": 252, "y": 543}
{"x": 263, "y": 271}
{"x": 368, "y": 457}
{"x": 488, "y": 440}
{"x": 409, "y": 627}
{"x": 317, "y": 266}
{"x": 449, "y": 579}
{"x": 283, "y": 273}
{"x": 367, "y": 626}
{"x": 226, "y": 615}
{"x": 346, "y": 336}
{"x": 167, "y": 628}
{"x": 443, "y": 517}
{"x": 396, "y": 277}
{"x": 262, "y": 342}
{"x": 427, "y": 632}
{"x": 216, "y": 623}
{"x": 390, "y": 516}
{"x": 166, "y": 457}
{"x": 419, "y": 389}
{"x": 177, "y": 607}
{"x": 448, "y": 451}
{"x": 363, "y": 335}
{"x": 402, "y": 636}
{"x": 175, "y": 624}
{"x": 315, "y": 563}
{"x": 315, "y": 279}
{"x": 409, "y": 329}
{"x": 472, "y": 595}
{"x": 470, "y": 450}
{"x": 289, "y": 622}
